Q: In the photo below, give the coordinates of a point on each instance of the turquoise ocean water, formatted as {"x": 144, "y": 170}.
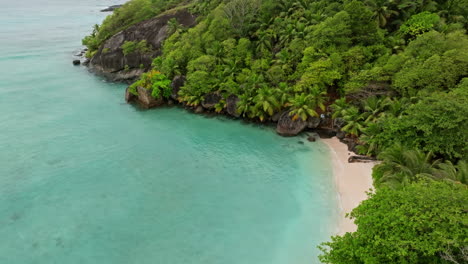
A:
{"x": 86, "y": 178}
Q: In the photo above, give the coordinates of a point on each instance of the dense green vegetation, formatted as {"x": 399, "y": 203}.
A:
{"x": 421, "y": 223}
{"x": 399, "y": 69}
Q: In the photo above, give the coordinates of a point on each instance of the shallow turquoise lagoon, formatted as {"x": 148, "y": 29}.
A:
{"x": 86, "y": 178}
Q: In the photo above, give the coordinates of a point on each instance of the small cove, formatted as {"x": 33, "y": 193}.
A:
{"x": 87, "y": 178}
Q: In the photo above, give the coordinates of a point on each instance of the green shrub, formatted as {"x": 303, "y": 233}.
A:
{"x": 155, "y": 81}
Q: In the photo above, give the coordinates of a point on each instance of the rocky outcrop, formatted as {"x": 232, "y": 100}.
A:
{"x": 211, "y": 99}
{"x": 313, "y": 122}
{"x": 111, "y": 8}
{"x": 147, "y": 100}
{"x": 110, "y": 60}
{"x": 231, "y": 105}
{"x": 176, "y": 84}
{"x": 288, "y": 127}
{"x": 129, "y": 97}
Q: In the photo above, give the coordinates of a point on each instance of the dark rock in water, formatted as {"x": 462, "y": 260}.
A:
{"x": 111, "y": 8}
{"x": 288, "y": 127}
{"x": 86, "y": 62}
{"x": 146, "y": 99}
{"x": 176, "y": 84}
{"x": 340, "y": 134}
{"x": 113, "y": 64}
{"x": 211, "y": 100}
{"x": 76, "y": 62}
{"x": 231, "y": 105}
{"x": 301, "y": 142}
{"x": 313, "y": 122}
{"x": 199, "y": 109}
{"x": 325, "y": 133}
{"x": 354, "y": 159}
{"x": 311, "y": 139}
{"x": 129, "y": 97}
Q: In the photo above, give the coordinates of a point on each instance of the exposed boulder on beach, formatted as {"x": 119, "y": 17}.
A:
{"x": 288, "y": 127}
{"x": 111, "y": 60}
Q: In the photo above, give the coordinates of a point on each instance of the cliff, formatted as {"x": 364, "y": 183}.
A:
{"x": 113, "y": 62}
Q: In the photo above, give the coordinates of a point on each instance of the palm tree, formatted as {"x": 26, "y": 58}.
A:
{"x": 374, "y": 107}
{"x": 381, "y": 12}
{"x": 266, "y": 103}
{"x": 339, "y": 108}
{"x": 401, "y": 166}
{"x": 354, "y": 122}
{"x": 245, "y": 105}
{"x": 303, "y": 106}
{"x": 368, "y": 146}
{"x": 173, "y": 26}
{"x": 448, "y": 170}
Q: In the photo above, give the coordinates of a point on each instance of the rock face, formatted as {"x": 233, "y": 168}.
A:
{"x": 111, "y": 8}
{"x": 211, "y": 100}
{"x": 313, "y": 122}
{"x": 288, "y": 127}
{"x": 176, "y": 84}
{"x": 146, "y": 100}
{"x": 110, "y": 60}
{"x": 76, "y": 62}
{"x": 129, "y": 97}
{"x": 231, "y": 105}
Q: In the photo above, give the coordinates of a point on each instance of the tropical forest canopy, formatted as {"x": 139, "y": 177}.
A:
{"x": 394, "y": 72}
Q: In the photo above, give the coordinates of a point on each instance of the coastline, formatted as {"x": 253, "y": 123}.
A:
{"x": 352, "y": 181}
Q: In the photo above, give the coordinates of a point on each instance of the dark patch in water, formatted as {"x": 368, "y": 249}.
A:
{"x": 59, "y": 242}
{"x": 301, "y": 142}
{"x": 15, "y": 217}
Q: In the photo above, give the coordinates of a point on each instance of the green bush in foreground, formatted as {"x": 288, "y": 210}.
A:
{"x": 422, "y": 223}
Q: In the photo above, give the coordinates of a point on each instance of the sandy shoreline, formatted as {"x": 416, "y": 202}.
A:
{"x": 352, "y": 181}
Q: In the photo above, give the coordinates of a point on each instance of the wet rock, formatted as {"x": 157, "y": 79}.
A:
{"x": 199, "y": 109}
{"x": 211, "y": 99}
{"x": 76, "y": 62}
{"x": 231, "y": 105}
{"x": 146, "y": 99}
{"x": 288, "y": 127}
{"x": 311, "y": 139}
{"x": 129, "y": 97}
{"x": 325, "y": 133}
{"x": 176, "y": 84}
{"x": 313, "y": 122}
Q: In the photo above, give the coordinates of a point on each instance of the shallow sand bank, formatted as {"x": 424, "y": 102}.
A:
{"x": 353, "y": 180}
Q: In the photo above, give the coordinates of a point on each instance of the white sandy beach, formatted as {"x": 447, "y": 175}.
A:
{"x": 353, "y": 180}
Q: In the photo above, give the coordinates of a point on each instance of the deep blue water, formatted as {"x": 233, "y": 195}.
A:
{"x": 86, "y": 178}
